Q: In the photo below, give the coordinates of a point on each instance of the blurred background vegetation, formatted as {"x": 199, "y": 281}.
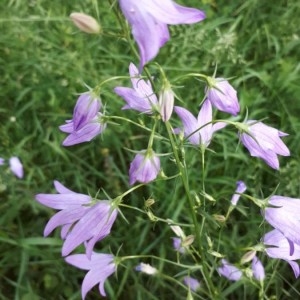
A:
{"x": 45, "y": 62}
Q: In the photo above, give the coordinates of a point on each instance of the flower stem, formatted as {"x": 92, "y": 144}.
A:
{"x": 184, "y": 177}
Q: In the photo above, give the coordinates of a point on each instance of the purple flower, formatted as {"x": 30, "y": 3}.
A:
{"x": 2, "y": 160}
{"x": 149, "y": 20}
{"x": 229, "y": 271}
{"x": 144, "y": 167}
{"x": 264, "y": 141}
{"x": 278, "y": 246}
{"x": 191, "y": 283}
{"x": 177, "y": 245}
{"x": 16, "y": 166}
{"x": 141, "y": 97}
{"x": 240, "y": 188}
{"x": 87, "y": 121}
{"x": 100, "y": 266}
{"x": 258, "y": 269}
{"x": 283, "y": 214}
{"x": 199, "y": 131}
{"x": 81, "y": 220}
{"x": 222, "y": 95}
{"x": 146, "y": 268}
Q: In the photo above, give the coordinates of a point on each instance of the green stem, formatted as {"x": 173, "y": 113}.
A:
{"x": 184, "y": 177}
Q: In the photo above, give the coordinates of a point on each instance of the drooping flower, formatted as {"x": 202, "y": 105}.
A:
{"x": 200, "y": 130}
{"x": 16, "y": 166}
{"x": 283, "y": 214}
{"x": 278, "y": 246}
{"x": 100, "y": 266}
{"x": 144, "y": 167}
{"x": 230, "y": 271}
{"x": 222, "y": 95}
{"x": 149, "y": 21}
{"x": 240, "y": 188}
{"x": 81, "y": 220}
{"x": 85, "y": 23}
{"x": 191, "y": 283}
{"x": 141, "y": 96}
{"x": 146, "y": 268}
{"x": 258, "y": 269}
{"x": 87, "y": 121}
{"x": 264, "y": 141}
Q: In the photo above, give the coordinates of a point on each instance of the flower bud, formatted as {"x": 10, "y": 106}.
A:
{"x": 85, "y": 23}
{"x": 166, "y": 103}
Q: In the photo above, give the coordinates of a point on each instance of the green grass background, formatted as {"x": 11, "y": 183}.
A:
{"x": 45, "y": 62}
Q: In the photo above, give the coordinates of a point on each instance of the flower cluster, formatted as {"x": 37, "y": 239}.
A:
{"x": 84, "y": 221}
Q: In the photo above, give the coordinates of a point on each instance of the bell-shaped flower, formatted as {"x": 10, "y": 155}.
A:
{"x": 264, "y": 141}
{"x": 192, "y": 283}
{"x": 283, "y": 214}
{"x": 222, "y": 95}
{"x": 258, "y": 269}
{"x": 100, "y": 266}
{"x": 82, "y": 221}
{"x": 200, "y": 130}
{"x": 278, "y": 246}
{"x": 141, "y": 96}
{"x": 229, "y": 271}
{"x": 149, "y": 21}
{"x": 144, "y": 167}
{"x": 87, "y": 121}
{"x": 16, "y": 166}
{"x": 240, "y": 189}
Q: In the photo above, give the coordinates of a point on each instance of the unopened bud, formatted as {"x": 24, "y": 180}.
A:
{"x": 166, "y": 103}
{"x": 248, "y": 256}
{"x": 186, "y": 242}
{"x": 85, "y": 23}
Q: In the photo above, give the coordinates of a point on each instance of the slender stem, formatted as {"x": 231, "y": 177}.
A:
{"x": 184, "y": 177}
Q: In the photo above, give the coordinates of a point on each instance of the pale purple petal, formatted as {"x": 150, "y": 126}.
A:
{"x": 63, "y": 217}
{"x": 192, "y": 283}
{"x": 86, "y": 108}
{"x": 190, "y": 124}
{"x": 16, "y": 166}
{"x": 240, "y": 188}
{"x": 258, "y": 269}
{"x": 177, "y": 245}
{"x": 279, "y": 247}
{"x": 229, "y": 271}
{"x": 149, "y": 20}
{"x": 94, "y": 222}
{"x": 223, "y": 96}
{"x": 61, "y": 188}
{"x": 2, "y": 160}
{"x": 63, "y": 201}
{"x": 100, "y": 267}
{"x": 284, "y": 216}
{"x": 134, "y": 100}
{"x": 85, "y": 134}
{"x": 295, "y": 267}
{"x": 204, "y": 120}
{"x": 144, "y": 168}
{"x": 103, "y": 231}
